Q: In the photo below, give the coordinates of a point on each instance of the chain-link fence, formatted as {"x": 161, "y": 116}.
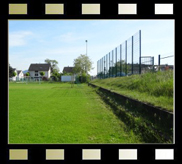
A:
{"x": 147, "y": 64}
{"x": 166, "y": 61}
{"x": 123, "y": 60}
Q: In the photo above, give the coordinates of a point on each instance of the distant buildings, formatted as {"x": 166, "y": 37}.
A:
{"x": 68, "y": 74}
{"x": 19, "y": 75}
{"x": 68, "y": 69}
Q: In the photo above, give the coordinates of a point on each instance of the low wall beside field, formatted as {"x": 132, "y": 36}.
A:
{"x": 157, "y": 119}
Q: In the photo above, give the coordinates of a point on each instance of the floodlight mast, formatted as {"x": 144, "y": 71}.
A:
{"x": 86, "y": 47}
{"x": 86, "y": 54}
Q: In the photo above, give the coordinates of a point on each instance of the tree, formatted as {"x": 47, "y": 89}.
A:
{"x": 53, "y": 64}
{"x": 56, "y": 75}
{"x": 14, "y": 74}
{"x": 10, "y": 71}
{"x": 82, "y": 64}
{"x": 119, "y": 68}
{"x": 67, "y": 73}
{"x": 42, "y": 73}
{"x": 27, "y": 74}
{"x": 84, "y": 78}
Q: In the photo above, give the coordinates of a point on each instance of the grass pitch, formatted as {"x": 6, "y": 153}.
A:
{"x": 56, "y": 113}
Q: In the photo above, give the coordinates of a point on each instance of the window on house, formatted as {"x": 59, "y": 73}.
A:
{"x": 36, "y": 74}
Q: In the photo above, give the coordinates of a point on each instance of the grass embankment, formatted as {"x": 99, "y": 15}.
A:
{"x": 57, "y": 113}
{"x": 153, "y": 88}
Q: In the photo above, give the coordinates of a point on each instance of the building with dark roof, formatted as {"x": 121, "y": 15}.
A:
{"x": 36, "y": 68}
{"x": 39, "y": 67}
{"x": 19, "y": 75}
{"x": 69, "y": 75}
{"x": 68, "y": 69}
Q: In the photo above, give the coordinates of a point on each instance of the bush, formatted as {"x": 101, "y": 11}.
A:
{"x": 44, "y": 78}
{"x": 55, "y": 78}
{"x": 84, "y": 78}
{"x": 42, "y": 73}
{"x": 14, "y": 74}
{"x": 27, "y": 74}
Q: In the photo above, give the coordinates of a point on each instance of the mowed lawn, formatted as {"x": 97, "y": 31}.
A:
{"x": 57, "y": 113}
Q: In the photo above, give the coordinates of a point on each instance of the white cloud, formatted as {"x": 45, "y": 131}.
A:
{"x": 19, "y": 38}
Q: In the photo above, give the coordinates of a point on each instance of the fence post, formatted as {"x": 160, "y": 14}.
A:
{"x": 153, "y": 63}
{"x": 106, "y": 65}
{"x": 116, "y": 62}
{"x": 126, "y": 57}
{"x": 159, "y": 61}
{"x": 112, "y": 62}
{"x": 109, "y": 64}
{"x": 100, "y": 69}
{"x": 139, "y": 51}
{"x": 120, "y": 59}
{"x": 132, "y": 57}
{"x": 97, "y": 68}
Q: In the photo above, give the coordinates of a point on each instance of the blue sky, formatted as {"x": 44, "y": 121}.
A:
{"x": 33, "y": 41}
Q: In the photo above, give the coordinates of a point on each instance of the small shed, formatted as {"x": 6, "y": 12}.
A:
{"x": 67, "y": 78}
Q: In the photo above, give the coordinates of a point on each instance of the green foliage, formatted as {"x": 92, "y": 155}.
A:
{"x": 10, "y": 71}
{"x": 84, "y": 78}
{"x": 56, "y": 75}
{"x": 27, "y": 74}
{"x": 42, "y": 73}
{"x": 138, "y": 120}
{"x": 119, "y": 68}
{"x": 82, "y": 64}
{"x": 155, "y": 88}
{"x": 53, "y": 64}
{"x": 67, "y": 73}
{"x": 14, "y": 74}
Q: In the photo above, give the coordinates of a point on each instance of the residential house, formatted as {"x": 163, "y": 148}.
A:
{"x": 66, "y": 78}
{"x": 19, "y": 75}
{"x": 35, "y": 70}
{"x": 68, "y": 69}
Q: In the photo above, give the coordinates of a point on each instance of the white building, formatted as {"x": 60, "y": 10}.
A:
{"x": 19, "y": 75}
{"x": 68, "y": 78}
{"x": 35, "y": 70}
{"x": 70, "y": 74}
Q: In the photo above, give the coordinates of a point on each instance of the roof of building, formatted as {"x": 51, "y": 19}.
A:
{"x": 18, "y": 71}
{"x": 39, "y": 67}
{"x": 68, "y": 69}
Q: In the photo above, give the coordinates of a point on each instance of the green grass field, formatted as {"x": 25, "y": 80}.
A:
{"x": 57, "y": 113}
{"x": 154, "y": 88}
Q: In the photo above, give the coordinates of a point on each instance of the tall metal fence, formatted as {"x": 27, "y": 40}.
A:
{"x": 124, "y": 60}
{"x": 147, "y": 64}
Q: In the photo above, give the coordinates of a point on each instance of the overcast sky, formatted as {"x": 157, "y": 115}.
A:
{"x": 33, "y": 41}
